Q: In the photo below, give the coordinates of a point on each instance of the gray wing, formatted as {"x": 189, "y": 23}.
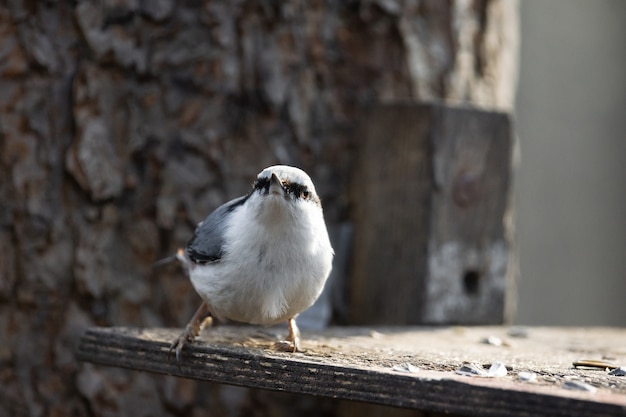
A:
{"x": 208, "y": 240}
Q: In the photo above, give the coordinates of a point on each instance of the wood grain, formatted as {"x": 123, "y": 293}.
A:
{"x": 430, "y": 198}
{"x": 358, "y": 364}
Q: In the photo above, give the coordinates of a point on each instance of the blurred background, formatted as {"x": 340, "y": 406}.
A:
{"x": 571, "y": 184}
{"x": 123, "y": 123}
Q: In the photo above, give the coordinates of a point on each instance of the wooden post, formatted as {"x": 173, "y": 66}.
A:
{"x": 430, "y": 195}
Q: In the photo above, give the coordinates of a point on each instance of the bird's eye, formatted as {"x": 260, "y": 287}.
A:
{"x": 305, "y": 194}
{"x": 261, "y": 184}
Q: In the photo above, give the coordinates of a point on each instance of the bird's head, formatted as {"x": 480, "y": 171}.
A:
{"x": 282, "y": 191}
{"x": 285, "y": 183}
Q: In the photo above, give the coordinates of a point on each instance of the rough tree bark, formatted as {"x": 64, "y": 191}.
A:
{"x": 123, "y": 122}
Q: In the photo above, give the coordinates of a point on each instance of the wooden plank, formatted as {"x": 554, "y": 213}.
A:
{"x": 429, "y": 203}
{"x": 358, "y": 364}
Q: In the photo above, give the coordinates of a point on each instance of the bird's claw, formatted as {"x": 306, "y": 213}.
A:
{"x": 287, "y": 346}
{"x": 191, "y": 331}
{"x": 292, "y": 342}
{"x": 187, "y": 336}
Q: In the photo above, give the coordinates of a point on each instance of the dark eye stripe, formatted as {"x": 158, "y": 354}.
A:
{"x": 261, "y": 184}
{"x": 294, "y": 189}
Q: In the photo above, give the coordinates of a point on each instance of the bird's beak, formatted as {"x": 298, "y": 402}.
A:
{"x": 276, "y": 187}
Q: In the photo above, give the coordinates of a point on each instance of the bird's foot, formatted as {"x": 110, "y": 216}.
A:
{"x": 192, "y": 330}
{"x": 292, "y": 342}
{"x": 187, "y": 336}
{"x": 287, "y": 346}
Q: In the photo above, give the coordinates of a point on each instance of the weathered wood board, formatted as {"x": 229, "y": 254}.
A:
{"x": 430, "y": 205}
{"x": 365, "y": 364}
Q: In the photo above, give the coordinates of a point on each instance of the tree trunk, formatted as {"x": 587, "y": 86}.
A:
{"x": 123, "y": 123}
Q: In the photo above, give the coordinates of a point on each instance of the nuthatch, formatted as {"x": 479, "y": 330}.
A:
{"x": 262, "y": 258}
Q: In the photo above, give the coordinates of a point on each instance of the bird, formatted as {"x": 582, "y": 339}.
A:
{"x": 261, "y": 258}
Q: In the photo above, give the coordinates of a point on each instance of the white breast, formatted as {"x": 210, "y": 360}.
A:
{"x": 275, "y": 264}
